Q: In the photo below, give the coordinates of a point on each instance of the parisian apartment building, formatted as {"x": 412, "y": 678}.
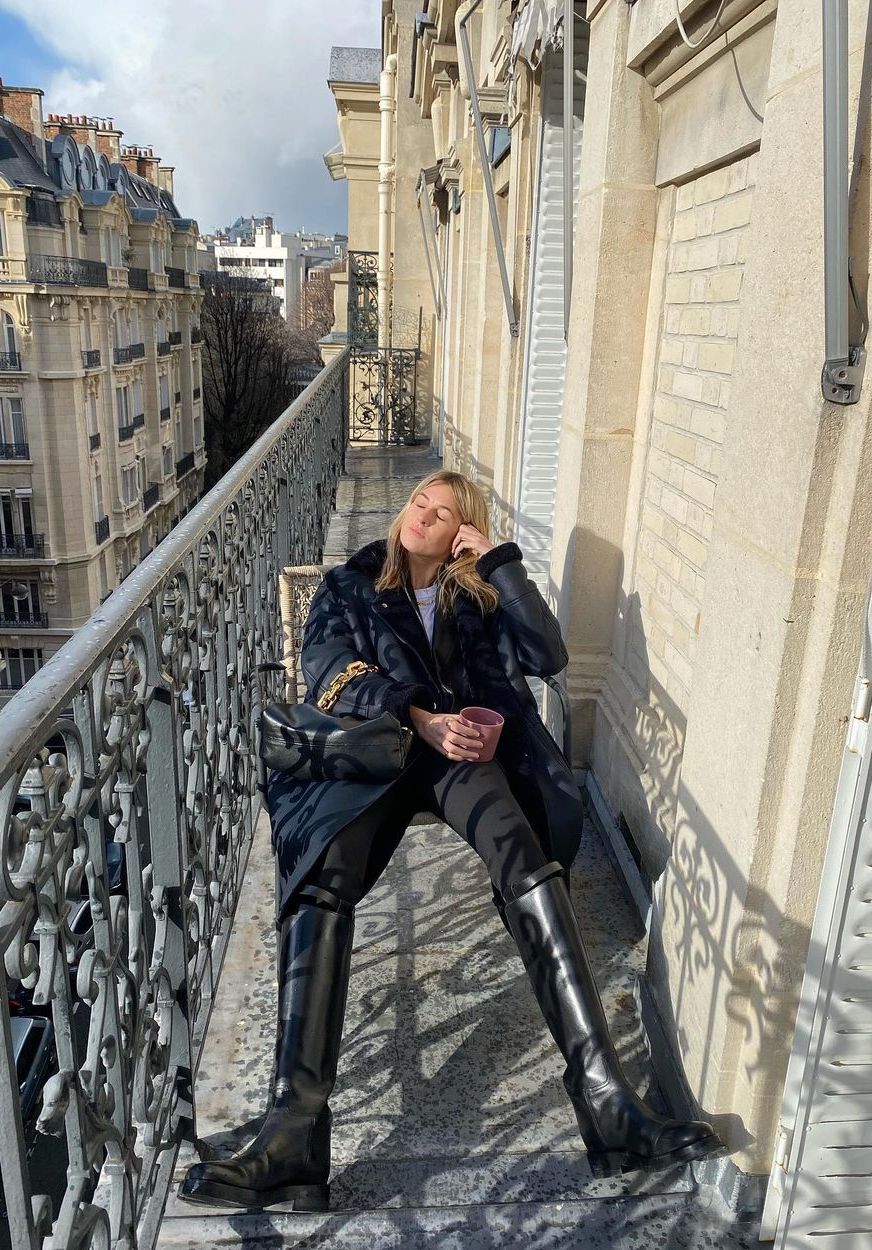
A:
{"x": 101, "y": 411}
{"x": 285, "y": 259}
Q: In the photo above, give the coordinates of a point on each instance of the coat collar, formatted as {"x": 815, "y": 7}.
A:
{"x": 370, "y": 559}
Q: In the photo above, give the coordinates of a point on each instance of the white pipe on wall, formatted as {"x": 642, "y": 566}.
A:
{"x": 387, "y": 107}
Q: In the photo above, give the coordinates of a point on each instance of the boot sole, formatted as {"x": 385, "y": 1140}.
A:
{"x": 302, "y": 1198}
{"x": 604, "y": 1163}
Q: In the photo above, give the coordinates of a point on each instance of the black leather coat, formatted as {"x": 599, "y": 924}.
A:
{"x": 487, "y": 658}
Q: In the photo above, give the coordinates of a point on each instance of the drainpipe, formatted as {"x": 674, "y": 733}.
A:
{"x": 842, "y": 374}
{"x": 385, "y": 189}
{"x": 469, "y": 90}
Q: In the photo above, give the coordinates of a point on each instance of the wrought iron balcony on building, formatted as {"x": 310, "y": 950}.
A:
{"x": 10, "y": 362}
{"x": 175, "y": 277}
{"x": 14, "y": 451}
{"x": 66, "y": 271}
{"x": 137, "y": 351}
{"x": 44, "y": 212}
{"x": 137, "y": 279}
{"x": 139, "y": 421}
{"x": 122, "y": 356}
{"x": 101, "y": 529}
{"x": 175, "y": 338}
{"x": 126, "y": 432}
{"x": 142, "y": 730}
{"x": 24, "y": 620}
{"x": 196, "y": 392}
{"x": 165, "y": 414}
{"x": 91, "y": 358}
{"x": 22, "y": 546}
{"x": 150, "y": 496}
{"x": 178, "y": 397}
{"x": 196, "y": 334}
{"x": 94, "y": 441}
{"x": 184, "y": 465}
{"x": 164, "y": 347}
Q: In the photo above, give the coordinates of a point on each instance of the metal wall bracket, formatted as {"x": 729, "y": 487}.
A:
{"x": 841, "y": 380}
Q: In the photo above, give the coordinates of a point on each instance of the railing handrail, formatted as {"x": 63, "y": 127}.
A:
{"x": 46, "y": 693}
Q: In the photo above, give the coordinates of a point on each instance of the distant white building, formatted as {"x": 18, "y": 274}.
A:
{"x": 284, "y": 258}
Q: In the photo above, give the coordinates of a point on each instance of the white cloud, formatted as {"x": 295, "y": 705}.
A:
{"x": 234, "y": 96}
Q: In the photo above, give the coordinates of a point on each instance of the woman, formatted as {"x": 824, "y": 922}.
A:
{"x": 450, "y": 620}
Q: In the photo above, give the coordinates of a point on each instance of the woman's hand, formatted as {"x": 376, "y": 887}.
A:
{"x": 444, "y": 732}
{"x": 468, "y": 538}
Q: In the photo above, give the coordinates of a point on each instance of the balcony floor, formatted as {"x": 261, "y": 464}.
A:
{"x": 451, "y": 1126}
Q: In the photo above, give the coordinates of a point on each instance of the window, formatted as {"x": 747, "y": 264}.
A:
{"x": 129, "y": 484}
{"x": 21, "y": 664}
{"x": 3, "y": 242}
{"x": 12, "y": 425}
{"x": 9, "y": 343}
{"x": 135, "y": 336}
{"x": 92, "y": 414}
{"x": 198, "y": 430}
{"x": 164, "y": 391}
{"x": 16, "y": 516}
{"x": 23, "y": 604}
{"x": 120, "y": 330}
{"x": 99, "y": 510}
{"x": 140, "y": 475}
{"x": 136, "y": 405}
{"x": 122, "y": 407}
{"x": 86, "y": 329}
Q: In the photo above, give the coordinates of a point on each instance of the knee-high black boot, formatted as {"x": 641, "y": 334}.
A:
{"x": 620, "y": 1131}
{"x": 289, "y": 1160}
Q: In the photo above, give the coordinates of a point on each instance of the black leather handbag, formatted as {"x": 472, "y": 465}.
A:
{"x": 309, "y": 744}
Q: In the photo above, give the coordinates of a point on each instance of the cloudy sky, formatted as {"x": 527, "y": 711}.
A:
{"x": 233, "y": 95}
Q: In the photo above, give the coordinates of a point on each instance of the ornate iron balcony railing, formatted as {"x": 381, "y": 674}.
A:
{"x": 137, "y": 279}
{"x": 126, "y": 432}
{"x": 175, "y": 338}
{"x": 185, "y": 464}
{"x": 94, "y": 441}
{"x": 67, "y": 271}
{"x": 24, "y": 620}
{"x": 139, "y": 421}
{"x": 150, "y": 496}
{"x": 91, "y": 358}
{"x": 196, "y": 334}
{"x": 10, "y": 362}
{"x": 21, "y": 546}
{"x": 101, "y": 529}
{"x": 14, "y": 451}
{"x": 175, "y": 277}
{"x": 121, "y": 355}
{"x": 137, "y": 351}
{"x": 196, "y": 392}
{"x": 142, "y": 730}
{"x": 165, "y": 413}
{"x": 164, "y": 347}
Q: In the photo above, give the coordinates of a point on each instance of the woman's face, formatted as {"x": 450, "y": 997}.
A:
{"x": 431, "y": 522}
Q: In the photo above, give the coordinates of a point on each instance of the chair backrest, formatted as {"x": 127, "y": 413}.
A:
{"x": 297, "y": 586}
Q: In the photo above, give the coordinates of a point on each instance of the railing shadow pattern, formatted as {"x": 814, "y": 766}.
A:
{"x": 136, "y": 744}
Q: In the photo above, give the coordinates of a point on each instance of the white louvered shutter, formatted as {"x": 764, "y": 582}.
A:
{"x": 543, "y": 393}
{"x": 820, "y": 1194}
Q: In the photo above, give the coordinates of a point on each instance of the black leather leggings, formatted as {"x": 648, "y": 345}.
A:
{"x": 474, "y": 799}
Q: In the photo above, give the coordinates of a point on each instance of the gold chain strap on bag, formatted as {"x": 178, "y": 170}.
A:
{"x": 355, "y": 669}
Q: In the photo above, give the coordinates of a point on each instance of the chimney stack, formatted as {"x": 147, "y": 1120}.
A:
{"x": 165, "y": 178}
{"x": 141, "y": 161}
{"x": 23, "y": 107}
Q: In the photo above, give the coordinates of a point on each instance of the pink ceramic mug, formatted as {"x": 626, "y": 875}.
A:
{"x": 489, "y": 724}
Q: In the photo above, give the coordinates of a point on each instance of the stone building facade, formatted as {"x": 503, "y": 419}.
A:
{"x": 101, "y": 447}
{"x": 642, "y": 399}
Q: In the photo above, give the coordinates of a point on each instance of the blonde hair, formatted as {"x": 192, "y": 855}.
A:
{"x": 455, "y": 575}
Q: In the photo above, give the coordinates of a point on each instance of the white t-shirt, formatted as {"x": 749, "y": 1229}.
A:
{"x": 426, "y": 598}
